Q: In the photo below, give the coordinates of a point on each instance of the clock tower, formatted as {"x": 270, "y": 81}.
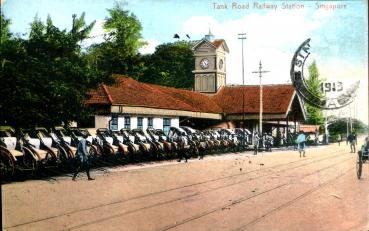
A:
{"x": 210, "y": 64}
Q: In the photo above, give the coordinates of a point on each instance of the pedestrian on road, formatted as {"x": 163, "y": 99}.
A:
{"x": 256, "y": 142}
{"x": 183, "y": 143}
{"x": 301, "y": 138}
{"x": 82, "y": 159}
{"x": 316, "y": 139}
{"x": 352, "y": 140}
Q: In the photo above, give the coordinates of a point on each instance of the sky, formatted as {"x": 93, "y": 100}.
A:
{"x": 338, "y": 32}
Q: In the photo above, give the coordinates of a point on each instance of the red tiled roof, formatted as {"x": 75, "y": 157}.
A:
{"x": 308, "y": 128}
{"x": 218, "y": 42}
{"x": 99, "y": 96}
{"x": 276, "y": 98}
{"x": 127, "y": 91}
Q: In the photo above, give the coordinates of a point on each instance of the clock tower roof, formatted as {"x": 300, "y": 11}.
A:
{"x": 220, "y": 42}
{"x": 216, "y": 44}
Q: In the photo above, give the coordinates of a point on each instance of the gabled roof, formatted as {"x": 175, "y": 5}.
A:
{"x": 276, "y": 98}
{"x": 216, "y": 44}
{"x": 129, "y": 92}
{"x": 99, "y": 96}
{"x": 219, "y": 42}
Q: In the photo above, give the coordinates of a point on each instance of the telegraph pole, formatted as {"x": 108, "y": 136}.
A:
{"x": 242, "y": 36}
{"x": 260, "y": 72}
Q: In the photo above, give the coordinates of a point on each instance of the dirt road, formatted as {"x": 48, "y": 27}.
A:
{"x": 273, "y": 191}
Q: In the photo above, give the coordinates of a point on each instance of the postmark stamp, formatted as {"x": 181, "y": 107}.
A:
{"x": 302, "y": 88}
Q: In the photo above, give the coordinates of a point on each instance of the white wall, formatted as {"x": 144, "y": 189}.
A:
{"x": 134, "y": 122}
{"x": 144, "y": 123}
{"x": 158, "y": 122}
{"x": 120, "y": 122}
{"x": 174, "y": 122}
{"x": 102, "y": 121}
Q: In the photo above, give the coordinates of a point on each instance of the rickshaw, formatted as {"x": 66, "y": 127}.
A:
{"x": 150, "y": 149}
{"x": 362, "y": 157}
{"x": 232, "y": 138}
{"x": 186, "y": 146}
{"x": 59, "y": 134}
{"x": 214, "y": 137}
{"x": 78, "y": 133}
{"x": 111, "y": 146}
{"x": 10, "y": 152}
{"x": 161, "y": 139}
{"x": 136, "y": 151}
{"x": 50, "y": 144}
{"x": 197, "y": 140}
{"x": 41, "y": 146}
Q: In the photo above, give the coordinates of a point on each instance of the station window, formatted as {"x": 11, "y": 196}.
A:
{"x": 140, "y": 122}
{"x": 127, "y": 122}
{"x": 166, "y": 125}
{"x": 114, "y": 123}
{"x": 150, "y": 122}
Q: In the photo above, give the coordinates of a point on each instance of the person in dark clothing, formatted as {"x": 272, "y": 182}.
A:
{"x": 82, "y": 159}
{"x": 352, "y": 140}
{"x": 256, "y": 140}
{"x": 183, "y": 142}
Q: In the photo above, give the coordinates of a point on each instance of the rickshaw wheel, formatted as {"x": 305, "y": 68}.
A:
{"x": 359, "y": 164}
{"x": 93, "y": 152}
{"x": 29, "y": 161}
{"x": 51, "y": 158}
{"x": 7, "y": 165}
{"x": 62, "y": 154}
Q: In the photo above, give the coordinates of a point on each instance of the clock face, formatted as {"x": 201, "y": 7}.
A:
{"x": 221, "y": 64}
{"x": 204, "y": 63}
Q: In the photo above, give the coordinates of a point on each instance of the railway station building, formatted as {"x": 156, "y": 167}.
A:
{"x": 132, "y": 104}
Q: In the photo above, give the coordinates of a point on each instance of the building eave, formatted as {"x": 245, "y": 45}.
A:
{"x": 255, "y": 116}
{"x": 137, "y": 110}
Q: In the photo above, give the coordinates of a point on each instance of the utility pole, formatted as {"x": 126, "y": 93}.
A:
{"x": 347, "y": 127}
{"x": 242, "y": 36}
{"x": 260, "y": 72}
{"x": 350, "y": 117}
{"x": 353, "y": 112}
{"x": 326, "y": 129}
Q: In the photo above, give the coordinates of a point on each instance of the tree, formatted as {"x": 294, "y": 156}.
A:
{"x": 171, "y": 65}
{"x": 5, "y": 33}
{"x": 118, "y": 54}
{"x": 339, "y": 126}
{"x": 45, "y": 78}
{"x": 315, "y": 115}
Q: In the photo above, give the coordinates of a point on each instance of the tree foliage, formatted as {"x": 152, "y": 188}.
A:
{"x": 118, "y": 54}
{"x": 45, "y": 78}
{"x": 315, "y": 115}
{"x": 171, "y": 65}
{"x": 5, "y": 32}
{"x": 339, "y": 126}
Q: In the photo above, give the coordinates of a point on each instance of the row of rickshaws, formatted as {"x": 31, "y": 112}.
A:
{"x": 31, "y": 150}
